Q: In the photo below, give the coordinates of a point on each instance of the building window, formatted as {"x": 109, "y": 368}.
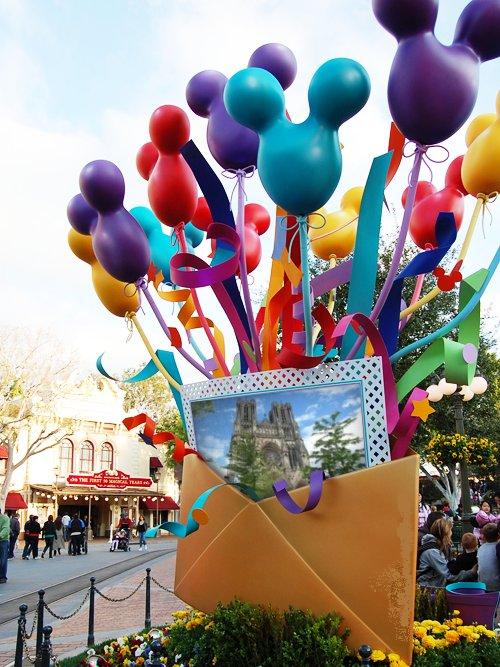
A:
{"x": 107, "y": 456}
{"x": 66, "y": 457}
{"x": 87, "y": 457}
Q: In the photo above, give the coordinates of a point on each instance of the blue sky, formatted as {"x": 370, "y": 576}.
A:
{"x": 79, "y": 80}
{"x": 213, "y": 430}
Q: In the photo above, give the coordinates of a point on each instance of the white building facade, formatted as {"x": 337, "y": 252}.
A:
{"x": 99, "y": 470}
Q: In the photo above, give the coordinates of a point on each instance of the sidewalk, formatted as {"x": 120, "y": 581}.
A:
{"x": 111, "y": 619}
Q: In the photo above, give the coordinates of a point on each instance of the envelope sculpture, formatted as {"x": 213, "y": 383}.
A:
{"x": 354, "y": 554}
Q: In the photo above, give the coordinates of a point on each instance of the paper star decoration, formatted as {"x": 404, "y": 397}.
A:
{"x": 422, "y": 409}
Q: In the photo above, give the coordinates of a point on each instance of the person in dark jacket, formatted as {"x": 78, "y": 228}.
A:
{"x": 76, "y": 528}
{"x": 32, "y": 532}
{"x": 141, "y": 529}
{"x": 15, "y": 529}
{"x": 432, "y": 568}
{"x": 468, "y": 558}
{"x": 49, "y": 535}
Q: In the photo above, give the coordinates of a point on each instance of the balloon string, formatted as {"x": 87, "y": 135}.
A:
{"x": 414, "y": 298}
{"x": 239, "y": 174}
{"x": 398, "y": 250}
{"x": 306, "y": 286}
{"x": 426, "y": 158}
{"x": 240, "y": 228}
{"x": 172, "y": 381}
{"x": 142, "y": 285}
{"x": 481, "y": 201}
{"x": 206, "y": 327}
{"x": 331, "y": 301}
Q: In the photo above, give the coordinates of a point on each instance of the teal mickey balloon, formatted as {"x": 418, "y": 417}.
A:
{"x": 299, "y": 164}
{"x": 160, "y": 244}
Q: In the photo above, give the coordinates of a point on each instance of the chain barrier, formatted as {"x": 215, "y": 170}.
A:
{"x": 120, "y": 599}
{"x": 29, "y": 634}
{"x": 26, "y": 650}
{"x": 65, "y": 618}
{"x": 164, "y": 588}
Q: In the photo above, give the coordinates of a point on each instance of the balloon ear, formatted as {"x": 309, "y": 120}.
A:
{"x": 202, "y": 217}
{"x": 169, "y": 128}
{"x": 203, "y": 89}
{"x": 257, "y": 217}
{"x": 352, "y": 199}
{"x": 277, "y": 59}
{"x": 147, "y": 219}
{"x": 254, "y": 98}
{"x": 424, "y": 189}
{"x": 338, "y": 90}
{"x": 453, "y": 178}
{"x": 103, "y": 186}
{"x": 403, "y": 18}
{"x": 478, "y": 125}
{"x": 479, "y": 28}
{"x": 146, "y": 159}
{"x": 81, "y": 246}
{"x": 82, "y": 217}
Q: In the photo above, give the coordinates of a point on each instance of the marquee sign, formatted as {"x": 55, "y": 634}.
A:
{"x": 109, "y": 479}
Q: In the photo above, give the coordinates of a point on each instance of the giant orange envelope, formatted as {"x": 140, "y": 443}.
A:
{"x": 354, "y": 554}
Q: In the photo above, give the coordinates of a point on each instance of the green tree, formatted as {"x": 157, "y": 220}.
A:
{"x": 334, "y": 452}
{"x": 246, "y": 464}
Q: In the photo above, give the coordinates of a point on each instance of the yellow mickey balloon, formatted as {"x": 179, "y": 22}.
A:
{"x": 481, "y": 163}
{"x": 110, "y": 291}
{"x": 338, "y": 235}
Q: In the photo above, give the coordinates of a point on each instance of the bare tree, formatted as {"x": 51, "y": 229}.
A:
{"x": 35, "y": 370}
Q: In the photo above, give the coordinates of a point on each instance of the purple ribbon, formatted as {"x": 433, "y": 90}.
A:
{"x": 316, "y": 479}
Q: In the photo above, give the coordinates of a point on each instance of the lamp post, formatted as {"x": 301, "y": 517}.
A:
{"x": 156, "y": 478}
{"x": 460, "y": 394}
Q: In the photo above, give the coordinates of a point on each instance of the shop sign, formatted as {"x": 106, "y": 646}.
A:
{"x": 109, "y": 479}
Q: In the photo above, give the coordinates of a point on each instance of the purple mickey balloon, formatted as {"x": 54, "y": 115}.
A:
{"x": 231, "y": 144}
{"x": 119, "y": 242}
{"x": 81, "y": 216}
{"x": 432, "y": 87}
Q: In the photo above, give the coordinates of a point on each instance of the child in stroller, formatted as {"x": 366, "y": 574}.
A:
{"x": 120, "y": 541}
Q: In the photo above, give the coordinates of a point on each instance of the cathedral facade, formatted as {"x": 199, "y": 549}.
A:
{"x": 277, "y": 437}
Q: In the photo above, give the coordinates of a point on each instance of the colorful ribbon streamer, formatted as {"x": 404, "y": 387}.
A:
{"x": 316, "y": 479}
{"x": 424, "y": 262}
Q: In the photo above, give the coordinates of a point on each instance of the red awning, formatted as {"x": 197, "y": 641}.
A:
{"x": 4, "y": 452}
{"x": 162, "y": 503}
{"x": 154, "y": 462}
{"x": 15, "y": 501}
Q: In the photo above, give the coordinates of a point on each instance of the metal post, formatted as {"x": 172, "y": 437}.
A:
{"x": 21, "y": 631}
{"x": 147, "y": 617}
{"x": 464, "y": 468}
{"x": 157, "y": 501}
{"x": 46, "y": 647}
{"x": 88, "y": 517}
{"x": 365, "y": 652}
{"x": 90, "y": 636}
{"x": 39, "y": 627}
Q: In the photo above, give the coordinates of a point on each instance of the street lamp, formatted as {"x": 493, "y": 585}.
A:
{"x": 435, "y": 393}
{"x": 156, "y": 478}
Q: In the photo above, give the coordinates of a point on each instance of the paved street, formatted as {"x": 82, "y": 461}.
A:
{"x": 111, "y": 619}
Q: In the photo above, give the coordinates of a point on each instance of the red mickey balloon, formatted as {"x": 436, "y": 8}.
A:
{"x": 146, "y": 159}
{"x": 253, "y": 250}
{"x": 430, "y": 203}
{"x": 257, "y": 216}
{"x": 172, "y": 189}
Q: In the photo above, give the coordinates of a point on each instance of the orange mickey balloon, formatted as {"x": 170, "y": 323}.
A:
{"x": 111, "y": 292}
{"x": 336, "y": 238}
{"x": 481, "y": 165}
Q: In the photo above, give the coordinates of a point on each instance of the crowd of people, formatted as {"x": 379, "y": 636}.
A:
{"x": 479, "y": 559}
{"x": 64, "y": 533}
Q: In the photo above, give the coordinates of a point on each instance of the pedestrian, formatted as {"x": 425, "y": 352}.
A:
{"x": 483, "y": 517}
{"x": 496, "y": 498}
{"x": 488, "y": 564}
{"x": 423, "y": 511}
{"x": 75, "y": 534}
{"x": 15, "y": 529}
{"x": 141, "y": 528}
{"x": 59, "y": 539}
{"x": 426, "y": 528}
{"x": 4, "y": 546}
{"x": 66, "y": 520}
{"x": 49, "y": 535}
{"x": 32, "y": 532}
{"x": 432, "y": 568}
{"x": 468, "y": 558}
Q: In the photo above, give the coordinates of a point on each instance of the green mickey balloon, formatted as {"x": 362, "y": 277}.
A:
{"x": 299, "y": 164}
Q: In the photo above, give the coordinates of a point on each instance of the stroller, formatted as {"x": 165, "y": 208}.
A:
{"x": 121, "y": 541}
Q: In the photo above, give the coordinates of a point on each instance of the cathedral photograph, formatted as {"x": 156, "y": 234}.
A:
{"x": 256, "y": 439}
